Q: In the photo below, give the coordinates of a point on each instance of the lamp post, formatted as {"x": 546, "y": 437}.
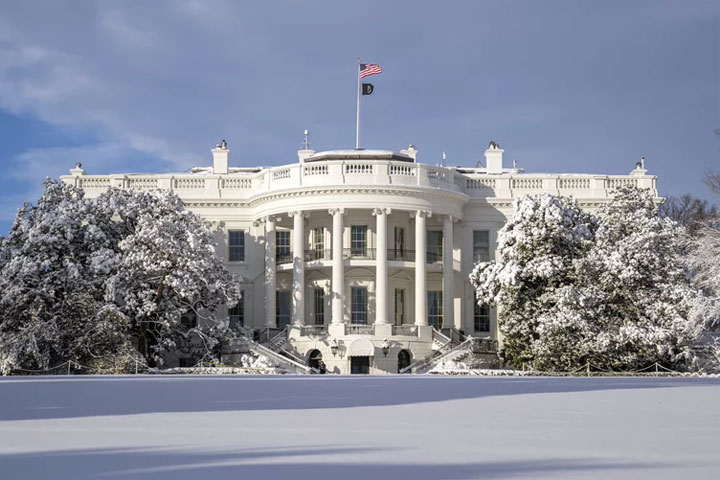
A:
{"x": 385, "y": 346}
{"x": 334, "y": 347}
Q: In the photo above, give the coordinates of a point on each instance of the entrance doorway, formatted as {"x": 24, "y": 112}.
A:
{"x": 360, "y": 365}
{"x": 315, "y": 361}
{"x": 403, "y": 359}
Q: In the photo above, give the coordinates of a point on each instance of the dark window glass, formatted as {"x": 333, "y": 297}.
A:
{"x": 434, "y": 308}
{"x": 358, "y": 305}
{"x": 481, "y": 318}
{"x": 236, "y": 246}
{"x": 434, "y": 246}
{"x": 319, "y": 301}
{"x": 358, "y": 240}
{"x": 481, "y": 246}
{"x": 283, "y": 306}
{"x": 282, "y": 244}
{"x": 237, "y": 314}
{"x": 188, "y": 319}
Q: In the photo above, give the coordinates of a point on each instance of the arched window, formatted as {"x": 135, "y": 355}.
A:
{"x": 403, "y": 359}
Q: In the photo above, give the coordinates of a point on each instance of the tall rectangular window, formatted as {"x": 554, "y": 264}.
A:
{"x": 481, "y": 318}
{"x": 319, "y": 304}
{"x": 283, "y": 306}
{"x": 481, "y": 246}
{"x": 358, "y": 240}
{"x": 237, "y": 314}
{"x": 319, "y": 239}
{"x": 434, "y": 308}
{"x": 282, "y": 244}
{"x": 358, "y": 305}
{"x": 399, "y": 306}
{"x": 236, "y": 245}
{"x": 399, "y": 242}
{"x": 434, "y": 246}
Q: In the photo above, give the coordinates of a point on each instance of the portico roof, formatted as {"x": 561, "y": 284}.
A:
{"x": 359, "y": 154}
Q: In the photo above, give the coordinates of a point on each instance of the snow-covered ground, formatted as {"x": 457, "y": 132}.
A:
{"x": 395, "y": 427}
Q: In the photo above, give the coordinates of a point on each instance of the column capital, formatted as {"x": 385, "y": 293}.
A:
{"x": 421, "y": 213}
{"x": 333, "y": 211}
{"x": 452, "y": 218}
{"x": 381, "y": 211}
{"x": 259, "y": 221}
{"x": 295, "y": 213}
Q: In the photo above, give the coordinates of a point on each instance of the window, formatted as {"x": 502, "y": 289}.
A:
{"x": 282, "y": 244}
{"x": 236, "y": 246}
{"x": 481, "y": 246}
{"x": 358, "y": 240}
{"x": 434, "y": 308}
{"x": 399, "y": 243}
{"x": 319, "y": 302}
{"x": 283, "y": 305}
{"x": 434, "y": 246}
{"x": 481, "y": 318}
{"x": 358, "y": 305}
{"x": 237, "y": 314}
{"x": 319, "y": 239}
{"x": 399, "y": 306}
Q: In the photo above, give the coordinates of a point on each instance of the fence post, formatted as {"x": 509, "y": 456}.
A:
{"x": 136, "y": 365}
{"x": 69, "y": 363}
{"x": 588, "y": 369}
{"x": 656, "y": 369}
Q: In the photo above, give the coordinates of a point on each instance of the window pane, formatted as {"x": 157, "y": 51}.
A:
{"x": 319, "y": 306}
{"x": 481, "y": 318}
{"x": 319, "y": 239}
{"x": 358, "y": 305}
{"x": 189, "y": 319}
{"x": 434, "y": 308}
{"x": 358, "y": 239}
{"x": 282, "y": 244}
{"x": 236, "y": 245}
{"x": 481, "y": 246}
{"x": 434, "y": 246}
{"x": 237, "y": 314}
{"x": 283, "y": 305}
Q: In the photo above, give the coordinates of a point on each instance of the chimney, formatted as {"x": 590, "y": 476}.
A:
{"x": 78, "y": 170}
{"x": 221, "y": 158}
{"x": 411, "y": 152}
{"x": 493, "y": 158}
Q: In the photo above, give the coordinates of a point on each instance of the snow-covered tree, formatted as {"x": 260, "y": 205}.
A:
{"x": 87, "y": 280}
{"x": 50, "y": 289}
{"x": 538, "y": 248}
{"x": 575, "y": 288}
{"x": 167, "y": 268}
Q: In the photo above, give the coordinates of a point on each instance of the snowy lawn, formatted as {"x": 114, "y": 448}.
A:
{"x": 394, "y": 427}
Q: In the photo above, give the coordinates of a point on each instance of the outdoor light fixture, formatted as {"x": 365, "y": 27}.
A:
{"x": 334, "y": 347}
{"x": 385, "y": 346}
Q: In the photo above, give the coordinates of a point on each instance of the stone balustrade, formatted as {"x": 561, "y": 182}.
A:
{"x": 471, "y": 182}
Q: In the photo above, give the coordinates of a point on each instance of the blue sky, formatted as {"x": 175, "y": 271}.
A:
{"x": 563, "y": 86}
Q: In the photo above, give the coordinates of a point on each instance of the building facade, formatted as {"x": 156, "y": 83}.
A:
{"x": 357, "y": 261}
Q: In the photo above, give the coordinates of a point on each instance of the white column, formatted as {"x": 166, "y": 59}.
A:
{"x": 448, "y": 274}
{"x": 270, "y": 273}
{"x": 338, "y": 270}
{"x": 381, "y": 270}
{"x": 298, "y": 267}
{"x": 421, "y": 268}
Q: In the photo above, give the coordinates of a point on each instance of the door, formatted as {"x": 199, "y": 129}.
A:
{"x": 403, "y": 359}
{"x": 360, "y": 365}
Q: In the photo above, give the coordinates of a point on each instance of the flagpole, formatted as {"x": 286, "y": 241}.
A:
{"x": 357, "y": 120}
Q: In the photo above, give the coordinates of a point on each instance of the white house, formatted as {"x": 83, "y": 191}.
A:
{"x": 360, "y": 258}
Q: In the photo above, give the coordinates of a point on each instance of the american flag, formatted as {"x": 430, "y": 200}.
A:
{"x": 367, "y": 69}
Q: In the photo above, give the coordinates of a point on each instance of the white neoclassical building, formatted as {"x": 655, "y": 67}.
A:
{"x": 359, "y": 259}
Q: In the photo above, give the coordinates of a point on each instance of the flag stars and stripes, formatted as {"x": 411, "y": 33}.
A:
{"x": 367, "y": 69}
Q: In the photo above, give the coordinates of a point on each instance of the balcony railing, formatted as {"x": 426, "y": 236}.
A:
{"x": 313, "y": 330}
{"x": 359, "y": 329}
{"x": 407, "y": 330}
{"x": 312, "y": 255}
{"x": 283, "y": 257}
{"x": 357, "y": 253}
{"x": 434, "y": 256}
{"x": 402, "y": 255}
